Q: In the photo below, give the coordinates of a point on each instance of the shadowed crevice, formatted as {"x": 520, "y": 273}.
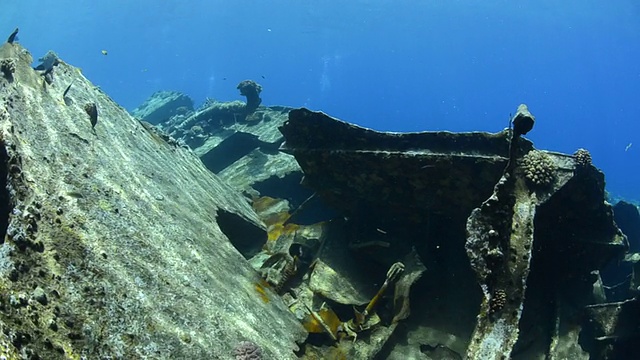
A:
{"x": 245, "y": 236}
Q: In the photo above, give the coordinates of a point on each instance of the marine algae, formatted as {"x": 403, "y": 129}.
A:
{"x": 260, "y": 288}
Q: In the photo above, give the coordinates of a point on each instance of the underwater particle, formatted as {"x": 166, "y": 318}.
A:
{"x": 582, "y": 158}
{"x": 539, "y": 168}
{"x": 92, "y": 111}
{"x": 8, "y": 67}
{"x": 13, "y": 36}
{"x": 104, "y": 52}
{"x": 247, "y": 350}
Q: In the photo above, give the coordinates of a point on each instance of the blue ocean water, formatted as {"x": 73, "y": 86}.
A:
{"x": 409, "y": 65}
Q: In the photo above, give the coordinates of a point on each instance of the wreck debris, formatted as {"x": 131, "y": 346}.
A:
{"x": 518, "y": 237}
{"x": 500, "y": 243}
{"x": 381, "y": 171}
{"x": 523, "y": 121}
{"x": 384, "y": 177}
{"x": 366, "y": 319}
{"x": 251, "y": 90}
{"x": 414, "y": 268}
{"x": 351, "y": 328}
{"x": 47, "y": 77}
{"x": 47, "y": 64}
{"x": 336, "y": 285}
{"x": 56, "y": 316}
{"x": 361, "y": 317}
{"x": 326, "y": 319}
{"x": 614, "y": 327}
{"x": 48, "y": 61}
{"x": 278, "y": 269}
{"x": 164, "y": 105}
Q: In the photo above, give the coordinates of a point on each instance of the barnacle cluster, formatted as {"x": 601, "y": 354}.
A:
{"x": 498, "y": 301}
{"x": 8, "y": 66}
{"x": 539, "y": 168}
{"x": 582, "y": 158}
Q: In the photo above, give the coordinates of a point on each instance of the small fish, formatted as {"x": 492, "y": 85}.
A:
{"x": 64, "y": 94}
{"x": 13, "y": 36}
{"x": 104, "y": 52}
{"x": 381, "y": 231}
{"x": 92, "y": 111}
{"x": 75, "y": 194}
{"x": 628, "y": 147}
{"x": 263, "y": 77}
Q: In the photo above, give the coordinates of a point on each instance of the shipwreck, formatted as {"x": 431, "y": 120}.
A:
{"x": 239, "y": 230}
